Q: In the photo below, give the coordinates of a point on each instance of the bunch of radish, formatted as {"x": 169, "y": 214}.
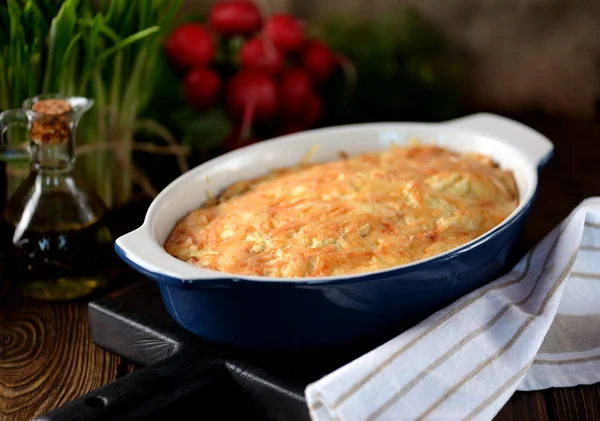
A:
{"x": 278, "y": 73}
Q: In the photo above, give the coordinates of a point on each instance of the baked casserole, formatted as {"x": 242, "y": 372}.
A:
{"x": 353, "y": 215}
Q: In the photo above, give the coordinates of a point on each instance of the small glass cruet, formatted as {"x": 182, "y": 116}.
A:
{"x": 53, "y": 230}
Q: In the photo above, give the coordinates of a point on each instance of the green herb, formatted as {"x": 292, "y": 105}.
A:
{"x": 107, "y": 52}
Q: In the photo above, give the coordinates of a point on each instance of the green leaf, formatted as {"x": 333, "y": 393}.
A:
{"x": 114, "y": 96}
{"x": 70, "y": 48}
{"x": 203, "y": 130}
{"x": 69, "y": 75}
{"x": 90, "y": 52}
{"x": 16, "y": 75}
{"x": 127, "y": 41}
{"x": 35, "y": 66}
{"x": 150, "y": 78}
{"x": 99, "y": 90}
{"x": 61, "y": 32}
{"x": 105, "y": 30}
{"x": 134, "y": 83}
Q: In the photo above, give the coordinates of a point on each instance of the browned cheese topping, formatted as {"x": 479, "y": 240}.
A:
{"x": 354, "y": 215}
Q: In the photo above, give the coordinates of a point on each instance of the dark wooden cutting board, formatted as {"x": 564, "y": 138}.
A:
{"x": 181, "y": 371}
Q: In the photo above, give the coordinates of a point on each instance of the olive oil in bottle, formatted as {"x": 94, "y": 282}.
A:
{"x": 52, "y": 230}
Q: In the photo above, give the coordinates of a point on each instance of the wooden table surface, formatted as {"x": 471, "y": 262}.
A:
{"x": 47, "y": 357}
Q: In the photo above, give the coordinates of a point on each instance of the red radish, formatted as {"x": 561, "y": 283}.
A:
{"x": 252, "y": 94}
{"x": 313, "y": 110}
{"x": 235, "y": 17}
{"x": 238, "y": 138}
{"x": 294, "y": 90}
{"x": 190, "y": 45}
{"x": 319, "y": 59}
{"x": 261, "y": 54}
{"x": 202, "y": 86}
{"x": 286, "y": 31}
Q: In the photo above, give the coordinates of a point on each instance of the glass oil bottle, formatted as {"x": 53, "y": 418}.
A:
{"x": 52, "y": 226}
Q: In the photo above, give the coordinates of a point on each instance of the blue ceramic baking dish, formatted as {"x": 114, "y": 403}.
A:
{"x": 278, "y": 313}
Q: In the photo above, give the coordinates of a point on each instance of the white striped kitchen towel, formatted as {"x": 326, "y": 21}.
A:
{"x": 534, "y": 328}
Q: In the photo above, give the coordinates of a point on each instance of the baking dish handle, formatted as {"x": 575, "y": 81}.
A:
{"x": 536, "y": 147}
{"x": 140, "y": 250}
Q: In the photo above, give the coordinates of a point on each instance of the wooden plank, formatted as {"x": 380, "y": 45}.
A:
{"x": 524, "y": 406}
{"x": 47, "y": 357}
{"x": 574, "y": 403}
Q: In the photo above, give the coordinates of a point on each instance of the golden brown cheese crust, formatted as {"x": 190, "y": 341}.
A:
{"x": 354, "y": 215}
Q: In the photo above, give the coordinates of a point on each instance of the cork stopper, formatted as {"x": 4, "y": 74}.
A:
{"x": 52, "y": 123}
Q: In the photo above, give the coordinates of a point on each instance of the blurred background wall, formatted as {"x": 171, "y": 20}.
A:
{"x": 524, "y": 54}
